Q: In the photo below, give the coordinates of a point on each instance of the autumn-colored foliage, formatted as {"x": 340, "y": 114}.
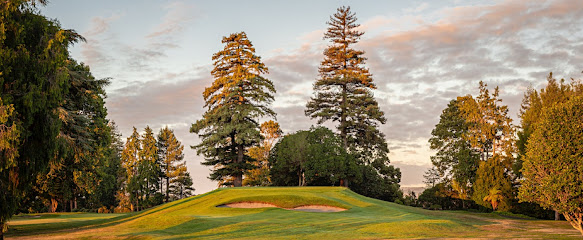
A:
{"x": 259, "y": 176}
{"x": 235, "y": 100}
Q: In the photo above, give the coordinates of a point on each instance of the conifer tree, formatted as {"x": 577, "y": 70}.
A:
{"x": 148, "y": 167}
{"x": 343, "y": 93}
{"x": 130, "y": 161}
{"x": 182, "y": 184}
{"x": 235, "y": 100}
{"x": 171, "y": 156}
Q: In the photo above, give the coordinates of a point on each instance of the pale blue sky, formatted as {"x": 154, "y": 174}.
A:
{"x": 421, "y": 54}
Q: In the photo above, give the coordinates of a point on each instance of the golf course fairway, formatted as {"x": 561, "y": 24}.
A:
{"x": 364, "y": 218}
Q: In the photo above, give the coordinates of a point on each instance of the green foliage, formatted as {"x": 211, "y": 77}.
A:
{"x": 343, "y": 91}
{"x": 553, "y": 164}
{"x": 343, "y": 94}
{"x": 111, "y": 174}
{"x": 238, "y": 96}
{"x": 490, "y": 130}
{"x": 34, "y": 81}
{"x": 439, "y": 197}
{"x": 259, "y": 176}
{"x": 533, "y": 103}
{"x": 313, "y": 157}
{"x": 377, "y": 180}
{"x": 455, "y": 160}
{"x": 181, "y": 186}
{"x": 491, "y": 175}
{"x": 148, "y": 167}
{"x": 130, "y": 162}
{"x": 83, "y": 140}
{"x": 171, "y": 155}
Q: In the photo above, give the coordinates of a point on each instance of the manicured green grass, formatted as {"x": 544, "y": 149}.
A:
{"x": 198, "y": 217}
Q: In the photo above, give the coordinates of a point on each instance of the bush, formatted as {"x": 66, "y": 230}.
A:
{"x": 120, "y": 209}
{"x": 103, "y": 209}
{"x": 435, "y": 207}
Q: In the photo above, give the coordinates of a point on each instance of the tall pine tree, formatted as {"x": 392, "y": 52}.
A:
{"x": 171, "y": 156}
{"x": 148, "y": 167}
{"x": 235, "y": 100}
{"x": 343, "y": 93}
{"x": 130, "y": 161}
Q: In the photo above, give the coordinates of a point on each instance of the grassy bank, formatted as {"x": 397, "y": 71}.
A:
{"x": 198, "y": 217}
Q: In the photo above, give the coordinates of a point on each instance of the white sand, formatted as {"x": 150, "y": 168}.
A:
{"x": 305, "y": 208}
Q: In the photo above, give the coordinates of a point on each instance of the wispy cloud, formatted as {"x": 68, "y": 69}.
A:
{"x": 93, "y": 51}
{"x": 418, "y": 69}
{"x": 177, "y": 15}
{"x": 511, "y": 44}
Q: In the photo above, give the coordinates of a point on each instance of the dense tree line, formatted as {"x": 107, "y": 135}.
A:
{"x": 480, "y": 160}
{"x": 41, "y": 124}
{"x": 58, "y": 149}
{"x": 155, "y": 170}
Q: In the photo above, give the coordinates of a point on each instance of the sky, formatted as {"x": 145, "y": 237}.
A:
{"x": 422, "y": 54}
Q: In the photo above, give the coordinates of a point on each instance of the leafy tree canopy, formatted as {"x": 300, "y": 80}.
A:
{"x": 553, "y": 164}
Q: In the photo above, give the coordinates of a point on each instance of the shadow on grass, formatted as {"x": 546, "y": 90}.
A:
{"x": 71, "y": 226}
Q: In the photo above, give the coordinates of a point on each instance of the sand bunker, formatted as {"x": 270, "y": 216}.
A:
{"x": 247, "y": 205}
{"x": 305, "y": 208}
{"x": 318, "y": 208}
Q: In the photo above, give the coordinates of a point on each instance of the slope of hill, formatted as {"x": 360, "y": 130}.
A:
{"x": 199, "y": 217}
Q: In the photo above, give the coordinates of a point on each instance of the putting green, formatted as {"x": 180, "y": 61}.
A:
{"x": 199, "y": 217}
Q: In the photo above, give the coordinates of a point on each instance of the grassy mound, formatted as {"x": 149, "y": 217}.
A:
{"x": 198, "y": 217}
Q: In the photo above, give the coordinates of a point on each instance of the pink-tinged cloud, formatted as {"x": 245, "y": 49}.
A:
{"x": 94, "y": 52}
{"x": 419, "y": 71}
{"x": 511, "y": 44}
{"x": 178, "y": 14}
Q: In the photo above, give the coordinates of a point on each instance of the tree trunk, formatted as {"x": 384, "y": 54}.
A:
{"x": 237, "y": 182}
{"x": 137, "y": 202}
{"x": 75, "y": 202}
{"x": 167, "y": 187}
{"x": 147, "y": 189}
{"x": 575, "y": 219}
{"x": 300, "y": 177}
{"x": 557, "y": 216}
{"x": 71, "y": 205}
{"x": 1, "y": 231}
